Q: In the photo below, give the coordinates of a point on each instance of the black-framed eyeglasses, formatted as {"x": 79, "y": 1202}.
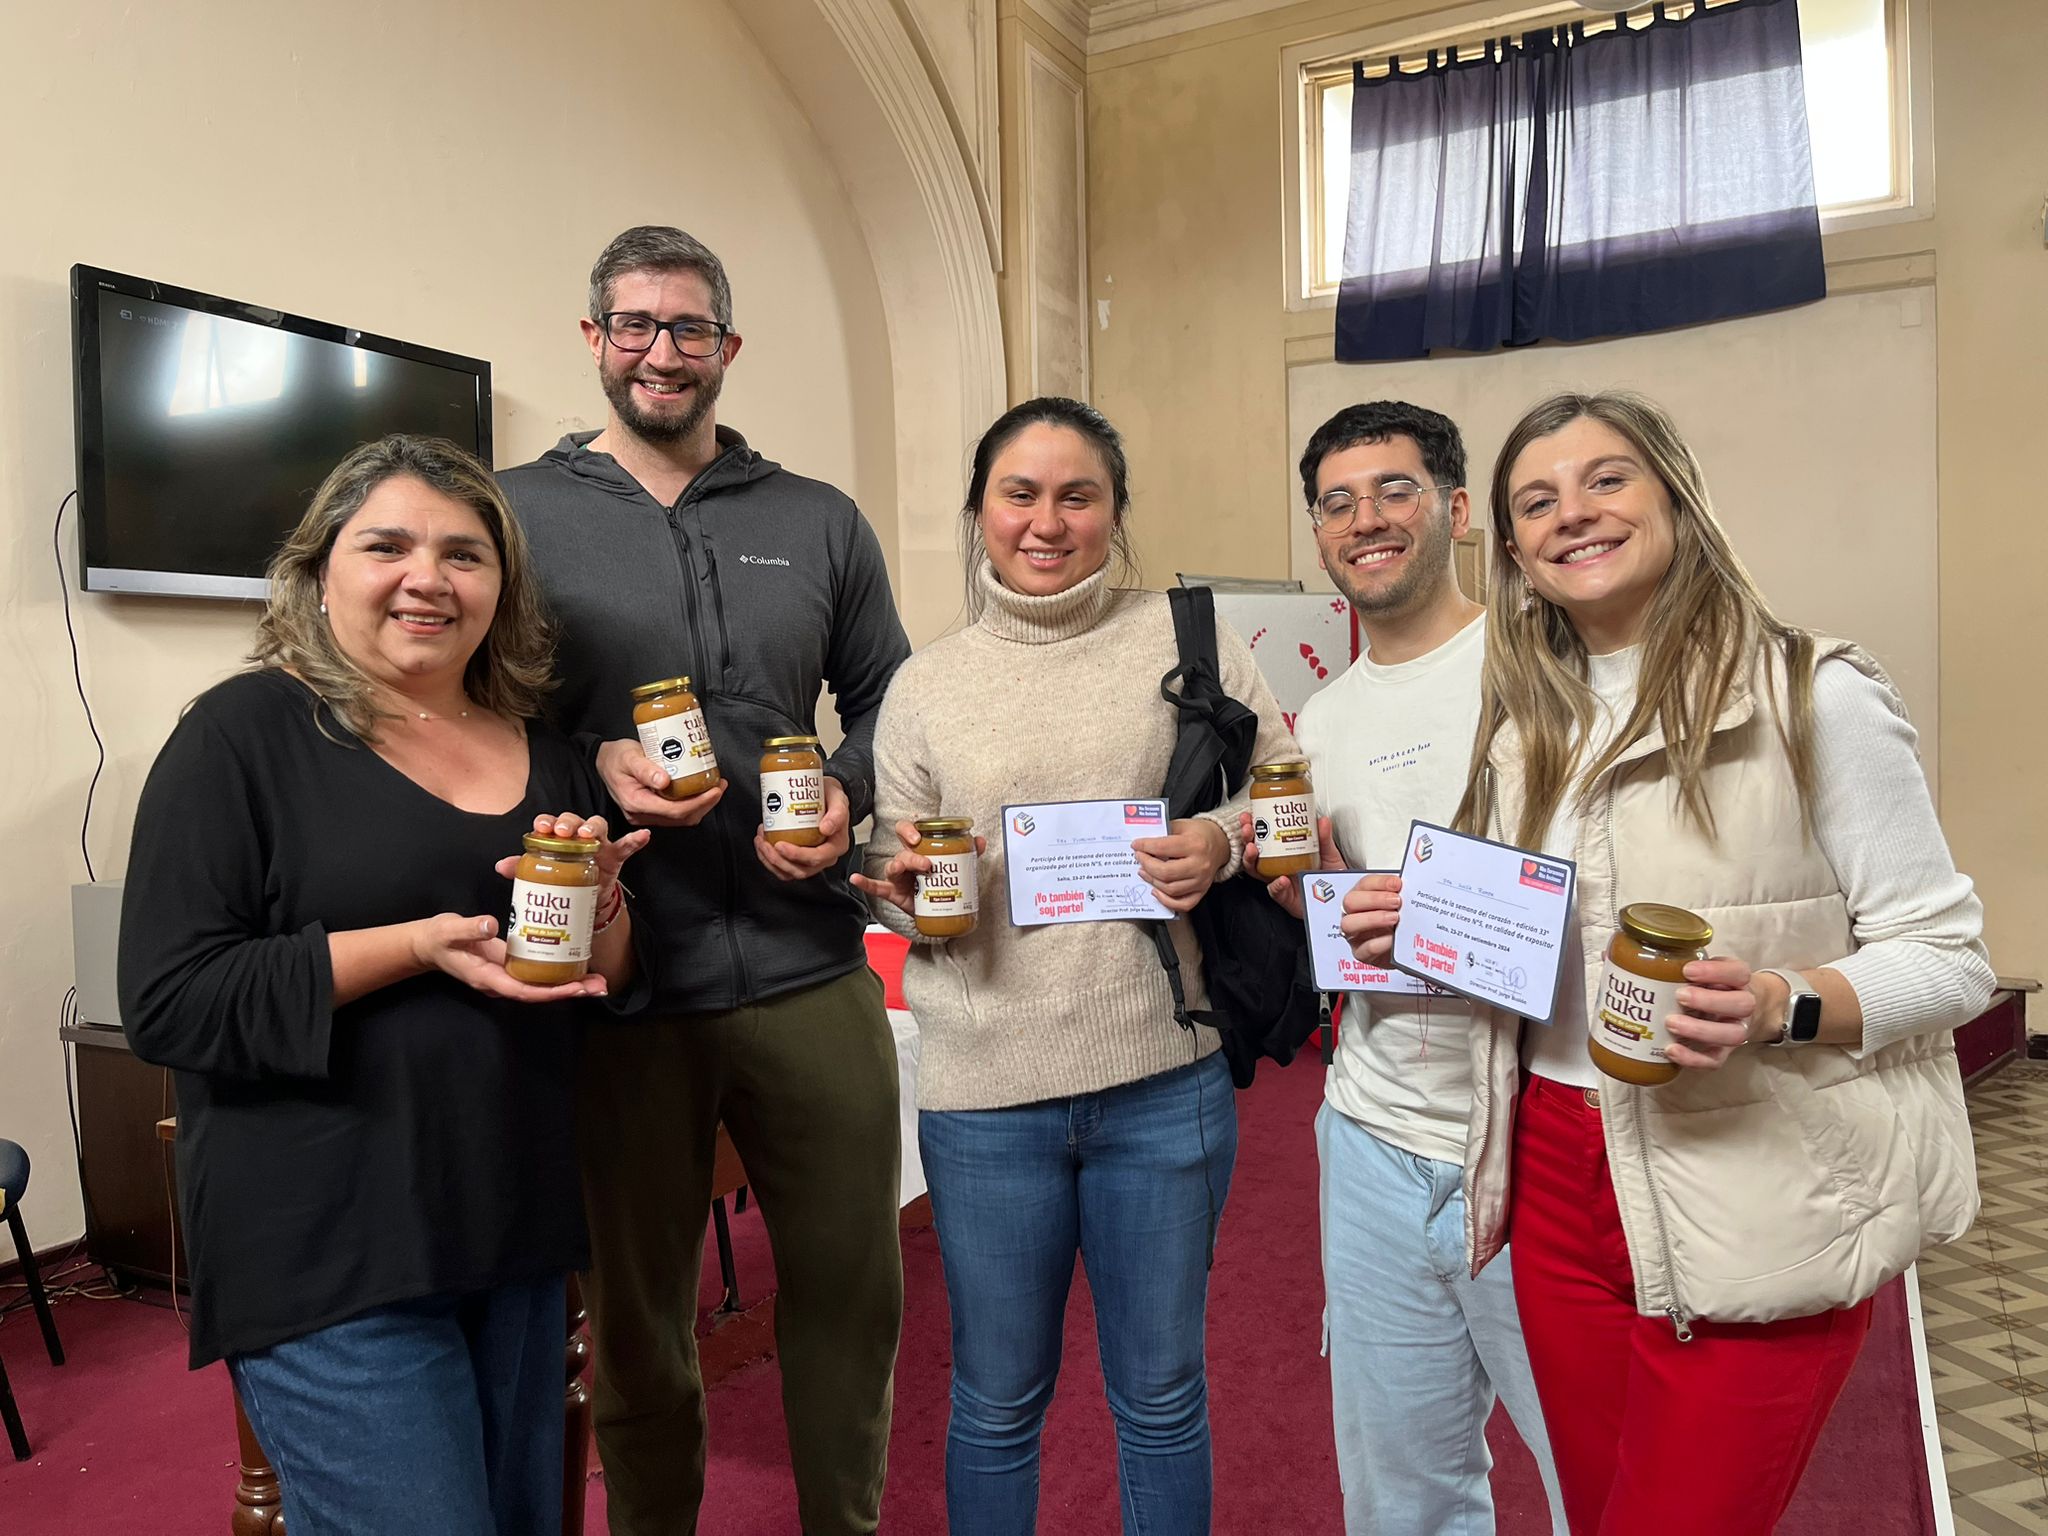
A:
{"x": 1333, "y": 511}
{"x": 631, "y": 331}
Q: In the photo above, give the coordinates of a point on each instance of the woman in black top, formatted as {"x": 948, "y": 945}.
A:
{"x": 375, "y": 1139}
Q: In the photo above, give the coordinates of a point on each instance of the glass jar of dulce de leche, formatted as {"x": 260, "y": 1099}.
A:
{"x": 792, "y": 790}
{"x": 949, "y": 894}
{"x": 554, "y": 906}
{"x": 670, "y": 724}
{"x": 1646, "y": 961}
{"x": 1283, "y": 818}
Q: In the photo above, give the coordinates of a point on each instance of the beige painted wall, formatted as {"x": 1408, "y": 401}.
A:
{"x": 1991, "y": 143}
{"x": 1819, "y": 517}
{"x": 1043, "y": 198}
{"x": 440, "y": 170}
{"x": 1186, "y": 161}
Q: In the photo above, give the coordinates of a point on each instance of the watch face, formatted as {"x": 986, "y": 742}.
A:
{"x": 1803, "y": 1022}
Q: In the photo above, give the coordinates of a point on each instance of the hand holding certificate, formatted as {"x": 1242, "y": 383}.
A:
{"x": 1336, "y": 968}
{"x": 1483, "y": 920}
{"x": 1072, "y": 861}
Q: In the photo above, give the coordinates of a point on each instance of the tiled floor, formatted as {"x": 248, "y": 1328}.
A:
{"x": 1985, "y": 1299}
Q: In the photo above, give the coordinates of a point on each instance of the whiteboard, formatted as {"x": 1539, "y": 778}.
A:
{"x": 1816, "y": 428}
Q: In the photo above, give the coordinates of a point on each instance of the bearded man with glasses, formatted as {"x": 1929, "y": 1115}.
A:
{"x": 1419, "y": 1346}
{"x": 667, "y": 546}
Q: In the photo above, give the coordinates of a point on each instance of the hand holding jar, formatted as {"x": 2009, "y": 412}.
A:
{"x": 644, "y": 789}
{"x": 1721, "y": 1004}
{"x": 806, "y": 825}
{"x": 925, "y": 843}
{"x": 1284, "y": 888}
{"x": 1665, "y": 1003}
{"x": 470, "y": 949}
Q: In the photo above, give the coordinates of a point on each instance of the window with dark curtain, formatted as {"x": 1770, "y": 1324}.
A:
{"x": 1570, "y": 187}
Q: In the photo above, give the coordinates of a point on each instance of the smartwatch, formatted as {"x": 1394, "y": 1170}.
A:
{"x": 1802, "y": 1009}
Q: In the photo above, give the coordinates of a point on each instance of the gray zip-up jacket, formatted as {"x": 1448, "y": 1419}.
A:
{"x": 763, "y": 587}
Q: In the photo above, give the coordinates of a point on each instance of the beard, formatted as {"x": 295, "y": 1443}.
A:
{"x": 662, "y": 426}
{"x": 1429, "y": 557}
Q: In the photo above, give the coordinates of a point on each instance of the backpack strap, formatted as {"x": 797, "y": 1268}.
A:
{"x": 1194, "y": 626}
{"x": 1213, "y": 743}
{"x": 1194, "y": 634}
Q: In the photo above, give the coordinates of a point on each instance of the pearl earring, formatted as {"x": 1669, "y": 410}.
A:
{"x": 323, "y": 605}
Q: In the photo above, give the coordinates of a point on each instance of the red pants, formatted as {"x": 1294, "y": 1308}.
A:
{"x": 1653, "y": 1437}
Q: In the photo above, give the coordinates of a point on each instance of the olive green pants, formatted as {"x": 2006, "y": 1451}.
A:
{"x": 806, "y": 1085}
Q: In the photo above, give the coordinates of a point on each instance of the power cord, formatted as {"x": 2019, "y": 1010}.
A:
{"x": 57, "y": 1282}
{"x": 78, "y": 679}
{"x": 171, "y": 1205}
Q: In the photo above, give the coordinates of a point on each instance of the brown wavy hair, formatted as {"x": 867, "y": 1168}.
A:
{"x": 1708, "y": 631}
{"x": 512, "y": 668}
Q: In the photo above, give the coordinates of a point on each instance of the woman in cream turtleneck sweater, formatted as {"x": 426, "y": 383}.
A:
{"x": 1061, "y": 1109}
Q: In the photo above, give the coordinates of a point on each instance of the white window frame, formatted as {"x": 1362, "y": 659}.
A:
{"x": 1301, "y": 63}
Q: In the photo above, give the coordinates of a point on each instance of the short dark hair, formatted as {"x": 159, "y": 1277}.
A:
{"x": 659, "y": 248}
{"x": 1375, "y": 421}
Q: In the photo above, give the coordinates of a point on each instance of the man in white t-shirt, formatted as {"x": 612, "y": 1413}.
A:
{"x": 1418, "y": 1347}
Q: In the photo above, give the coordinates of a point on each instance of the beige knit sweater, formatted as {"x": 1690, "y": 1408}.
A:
{"x": 1043, "y": 699}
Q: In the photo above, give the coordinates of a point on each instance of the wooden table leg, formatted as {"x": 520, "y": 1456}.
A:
{"x": 259, "y": 1504}
{"x": 576, "y": 1412}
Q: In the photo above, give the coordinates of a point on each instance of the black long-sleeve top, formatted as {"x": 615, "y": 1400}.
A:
{"x": 416, "y": 1141}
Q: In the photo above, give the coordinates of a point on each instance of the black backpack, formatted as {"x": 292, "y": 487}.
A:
{"x": 1262, "y": 997}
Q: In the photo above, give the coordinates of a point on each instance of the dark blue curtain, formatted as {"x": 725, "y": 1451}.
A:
{"x": 1574, "y": 187}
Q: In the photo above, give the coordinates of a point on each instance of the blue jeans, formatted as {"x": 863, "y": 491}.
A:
{"x": 1418, "y": 1348}
{"x": 1132, "y": 1178}
{"x": 442, "y": 1414}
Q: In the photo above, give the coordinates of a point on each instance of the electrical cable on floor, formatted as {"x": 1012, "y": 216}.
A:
{"x": 68, "y": 1019}
{"x": 55, "y": 1271}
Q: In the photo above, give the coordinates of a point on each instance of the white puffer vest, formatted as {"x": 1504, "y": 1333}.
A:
{"x": 1789, "y": 1181}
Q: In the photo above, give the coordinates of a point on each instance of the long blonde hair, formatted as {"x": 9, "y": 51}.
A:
{"x": 1707, "y": 633}
{"x": 512, "y": 668}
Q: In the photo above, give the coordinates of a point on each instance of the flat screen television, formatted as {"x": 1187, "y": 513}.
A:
{"x": 205, "y": 425}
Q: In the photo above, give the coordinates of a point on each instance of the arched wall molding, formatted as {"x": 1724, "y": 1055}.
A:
{"x": 970, "y": 100}
{"x": 864, "y": 84}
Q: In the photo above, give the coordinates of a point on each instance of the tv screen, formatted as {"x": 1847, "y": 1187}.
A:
{"x": 205, "y": 425}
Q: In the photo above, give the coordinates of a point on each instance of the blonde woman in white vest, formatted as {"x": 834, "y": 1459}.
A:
{"x": 1694, "y": 1262}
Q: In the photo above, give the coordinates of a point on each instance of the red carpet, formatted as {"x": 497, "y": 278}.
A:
{"x": 128, "y": 1443}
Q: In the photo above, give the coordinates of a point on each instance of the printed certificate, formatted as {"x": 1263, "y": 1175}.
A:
{"x": 1071, "y": 861}
{"x": 1334, "y": 967}
{"x": 1484, "y": 920}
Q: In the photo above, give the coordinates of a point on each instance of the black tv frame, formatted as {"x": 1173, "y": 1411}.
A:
{"x": 87, "y": 284}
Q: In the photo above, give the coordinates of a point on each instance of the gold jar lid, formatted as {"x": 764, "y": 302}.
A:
{"x": 939, "y": 826}
{"x": 789, "y": 741}
{"x": 1652, "y": 922}
{"x": 1293, "y": 770}
{"x": 666, "y": 685}
{"x": 565, "y": 847}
